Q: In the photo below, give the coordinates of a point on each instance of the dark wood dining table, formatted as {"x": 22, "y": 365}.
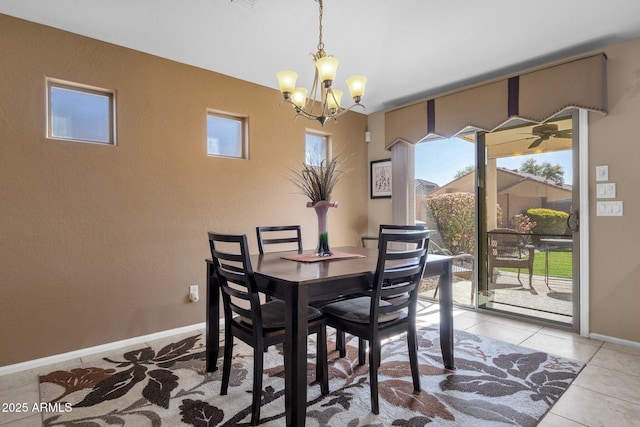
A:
{"x": 302, "y": 283}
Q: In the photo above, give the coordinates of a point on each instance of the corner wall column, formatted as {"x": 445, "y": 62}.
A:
{"x": 403, "y": 195}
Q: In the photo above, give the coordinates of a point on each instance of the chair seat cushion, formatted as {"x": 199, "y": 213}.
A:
{"x": 273, "y": 315}
{"x": 397, "y": 299}
{"x": 358, "y": 310}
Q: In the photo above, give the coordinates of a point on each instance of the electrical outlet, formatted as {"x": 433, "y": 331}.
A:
{"x": 193, "y": 293}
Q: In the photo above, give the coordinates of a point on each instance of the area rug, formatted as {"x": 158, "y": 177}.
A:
{"x": 495, "y": 384}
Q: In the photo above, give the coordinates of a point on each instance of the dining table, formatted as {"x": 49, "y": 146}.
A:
{"x": 299, "y": 284}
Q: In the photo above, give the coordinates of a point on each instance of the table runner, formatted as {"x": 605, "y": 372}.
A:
{"x": 315, "y": 258}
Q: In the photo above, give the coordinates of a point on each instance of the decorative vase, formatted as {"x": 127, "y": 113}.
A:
{"x": 322, "y": 211}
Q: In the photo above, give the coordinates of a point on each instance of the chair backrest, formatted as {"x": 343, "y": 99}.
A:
{"x": 365, "y": 239}
{"x": 506, "y": 243}
{"x": 233, "y": 271}
{"x": 278, "y": 235}
{"x": 399, "y": 271}
{"x": 417, "y": 227}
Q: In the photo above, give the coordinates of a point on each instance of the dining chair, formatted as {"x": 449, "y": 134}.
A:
{"x": 389, "y": 309}
{"x": 397, "y": 227}
{"x": 279, "y": 235}
{"x": 364, "y": 239}
{"x": 258, "y": 325}
{"x": 284, "y": 234}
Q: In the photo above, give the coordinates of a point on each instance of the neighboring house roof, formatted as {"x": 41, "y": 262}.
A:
{"x": 425, "y": 183}
{"x": 510, "y": 181}
{"x": 530, "y": 176}
{"x": 425, "y": 187}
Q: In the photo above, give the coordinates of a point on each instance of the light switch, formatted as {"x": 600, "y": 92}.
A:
{"x": 602, "y": 173}
{"x": 606, "y": 191}
{"x": 609, "y": 208}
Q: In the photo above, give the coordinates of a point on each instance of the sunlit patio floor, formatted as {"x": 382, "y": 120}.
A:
{"x": 553, "y": 302}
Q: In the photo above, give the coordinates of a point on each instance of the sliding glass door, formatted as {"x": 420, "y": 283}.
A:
{"x": 529, "y": 236}
{"x": 505, "y": 205}
{"x": 445, "y": 171}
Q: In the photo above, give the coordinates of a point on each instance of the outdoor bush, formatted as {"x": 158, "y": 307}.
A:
{"x": 548, "y": 221}
{"x": 455, "y": 216}
{"x": 522, "y": 224}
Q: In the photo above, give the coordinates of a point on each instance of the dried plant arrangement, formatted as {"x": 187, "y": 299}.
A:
{"x": 318, "y": 182}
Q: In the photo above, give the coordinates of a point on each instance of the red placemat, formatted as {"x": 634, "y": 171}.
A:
{"x": 315, "y": 258}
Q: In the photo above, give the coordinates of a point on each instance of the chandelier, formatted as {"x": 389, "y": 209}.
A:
{"x": 326, "y": 67}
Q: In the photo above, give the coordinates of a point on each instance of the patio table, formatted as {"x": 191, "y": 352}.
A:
{"x": 552, "y": 243}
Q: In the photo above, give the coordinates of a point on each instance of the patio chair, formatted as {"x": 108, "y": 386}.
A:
{"x": 510, "y": 249}
{"x": 463, "y": 263}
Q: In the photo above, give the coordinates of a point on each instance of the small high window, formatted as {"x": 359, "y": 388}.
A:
{"x": 226, "y": 135}
{"x": 317, "y": 148}
{"x": 80, "y": 113}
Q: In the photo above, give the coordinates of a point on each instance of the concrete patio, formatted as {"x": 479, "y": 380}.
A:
{"x": 508, "y": 294}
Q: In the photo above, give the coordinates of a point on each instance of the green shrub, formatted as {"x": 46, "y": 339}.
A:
{"x": 548, "y": 221}
{"x": 455, "y": 216}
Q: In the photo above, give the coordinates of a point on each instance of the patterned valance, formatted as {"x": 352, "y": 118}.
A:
{"x": 534, "y": 96}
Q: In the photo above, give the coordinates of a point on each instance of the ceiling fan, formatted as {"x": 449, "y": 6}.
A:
{"x": 547, "y": 130}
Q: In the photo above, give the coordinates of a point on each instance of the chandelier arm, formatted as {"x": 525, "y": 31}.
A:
{"x": 310, "y": 102}
{"x": 344, "y": 110}
{"x": 301, "y": 111}
{"x": 309, "y": 115}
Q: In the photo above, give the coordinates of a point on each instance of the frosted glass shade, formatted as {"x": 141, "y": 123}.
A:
{"x": 327, "y": 68}
{"x": 287, "y": 80}
{"x": 356, "y": 86}
{"x": 299, "y": 97}
{"x": 333, "y": 101}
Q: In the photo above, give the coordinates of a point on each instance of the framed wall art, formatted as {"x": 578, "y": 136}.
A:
{"x": 380, "y": 179}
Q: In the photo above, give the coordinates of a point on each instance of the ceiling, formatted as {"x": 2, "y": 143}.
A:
{"x": 516, "y": 141}
{"x": 408, "y": 49}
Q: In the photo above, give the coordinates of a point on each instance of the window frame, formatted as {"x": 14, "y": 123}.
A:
{"x": 328, "y": 147}
{"x": 86, "y": 89}
{"x": 244, "y": 137}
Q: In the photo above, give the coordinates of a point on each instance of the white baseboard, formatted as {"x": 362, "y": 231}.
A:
{"x": 31, "y": 364}
{"x": 613, "y": 340}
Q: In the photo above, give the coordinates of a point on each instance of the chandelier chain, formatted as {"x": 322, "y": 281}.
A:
{"x": 320, "y": 44}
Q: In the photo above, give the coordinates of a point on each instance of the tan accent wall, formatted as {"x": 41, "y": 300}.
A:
{"x": 99, "y": 243}
{"x": 615, "y": 241}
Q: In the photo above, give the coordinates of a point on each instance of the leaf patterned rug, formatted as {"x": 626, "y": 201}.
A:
{"x": 495, "y": 384}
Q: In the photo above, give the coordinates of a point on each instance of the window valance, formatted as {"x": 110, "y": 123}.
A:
{"x": 534, "y": 96}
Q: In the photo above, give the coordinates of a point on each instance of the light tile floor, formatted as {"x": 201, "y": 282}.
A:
{"x": 606, "y": 393}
